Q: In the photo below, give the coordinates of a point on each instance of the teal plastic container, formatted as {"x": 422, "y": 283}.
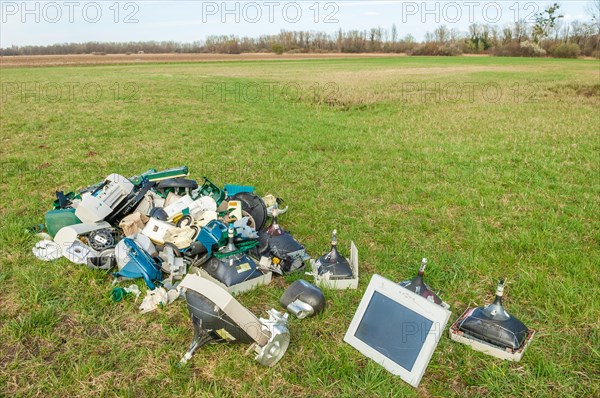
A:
{"x": 56, "y": 219}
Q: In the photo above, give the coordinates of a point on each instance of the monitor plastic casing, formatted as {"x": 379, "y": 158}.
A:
{"x": 438, "y": 315}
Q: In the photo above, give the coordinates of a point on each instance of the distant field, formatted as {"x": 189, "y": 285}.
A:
{"x": 89, "y": 59}
{"x": 489, "y": 167}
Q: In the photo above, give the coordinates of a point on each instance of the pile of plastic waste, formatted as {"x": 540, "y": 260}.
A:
{"x": 162, "y": 227}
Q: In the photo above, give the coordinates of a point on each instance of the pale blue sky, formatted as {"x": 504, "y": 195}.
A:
{"x": 48, "y": 22}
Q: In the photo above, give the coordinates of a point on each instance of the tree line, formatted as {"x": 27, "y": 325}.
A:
{"x": 549, "y": 35}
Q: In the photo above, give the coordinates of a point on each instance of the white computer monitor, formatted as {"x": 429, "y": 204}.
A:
{"x": 397, "y": 328}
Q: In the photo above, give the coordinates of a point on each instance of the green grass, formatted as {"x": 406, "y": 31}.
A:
{"x": 483, "y": 189}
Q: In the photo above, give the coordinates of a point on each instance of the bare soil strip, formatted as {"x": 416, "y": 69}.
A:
{"x": 89, "y": 59}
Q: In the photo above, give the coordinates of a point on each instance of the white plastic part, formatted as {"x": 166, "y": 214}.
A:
{"x": 79, "y": 252}
{"x": 177, "y": 207}
{"x": 156, "y": 230}
{"x": 206, "y": 203}
{"x": 157, "y": 297}
{"x": 427, "y": 331}
{"x": 133, "y": 289}
{"x": 97, "y": 207}
{"x": 67, "y": 238}
{"x": 180, "y": 237}
{"x": 203, "y": 217}
{"x": 47, "y": 250}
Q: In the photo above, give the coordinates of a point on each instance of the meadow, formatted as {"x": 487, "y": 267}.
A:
{"x": 489, "y": 167}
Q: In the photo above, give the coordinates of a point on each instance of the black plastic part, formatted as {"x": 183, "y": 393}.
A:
{"x": 129, "y": 204}
{"x": 241, "y": 269}
{"x": 208, "y": 319}
{"x": 255, "y": 206}
{"x": 276, "y": 242}
{"x": 416, "y": 285}
{"x": 62, "y": 200}
{"x": 177, "y": 183}
{"x": 305, "y": 292}
{"x": 102, "y": 239}
{"x": 493, "y": 324}
{"x": 196, "y": 248}
{"x": 509, "y": 333}
{"x": 159, "y": 213}
{"x": 184, "y": 221}
{"x": 335, "y": 263}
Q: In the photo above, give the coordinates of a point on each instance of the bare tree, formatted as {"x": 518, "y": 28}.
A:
{"x": 593, "y": 10}
{"x": 395, "y": 33}
{"x": 545, "y": 22}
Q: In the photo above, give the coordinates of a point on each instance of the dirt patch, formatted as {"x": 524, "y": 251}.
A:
{"x": 583, "y": 90}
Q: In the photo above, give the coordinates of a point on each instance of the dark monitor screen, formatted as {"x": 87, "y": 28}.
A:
{"x": 393, "y": 330}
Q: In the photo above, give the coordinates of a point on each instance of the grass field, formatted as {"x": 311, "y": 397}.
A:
{"x": 489, "y": 167}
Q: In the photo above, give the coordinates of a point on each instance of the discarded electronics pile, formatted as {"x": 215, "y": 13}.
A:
{"x": 196, "y": 241}
{"x": 207, "y": 244}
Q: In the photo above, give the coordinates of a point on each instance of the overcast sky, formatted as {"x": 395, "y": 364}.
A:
{"x": 49, "y": 22}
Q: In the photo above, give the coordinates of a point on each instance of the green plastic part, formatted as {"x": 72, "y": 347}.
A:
{"x": 241, "y": 248}
{"x": 118, "y": 294}
{"x": 210, "y": 189}
{"x": 138, "y": 180}
{"x": 57, "y": 219}
{"x": 170, "y": 173}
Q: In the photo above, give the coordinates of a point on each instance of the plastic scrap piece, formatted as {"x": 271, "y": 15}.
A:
{"x": 133, "y": 223}
{"x": 210, "y": 189}
{"x": 119, "y": 293}
{"x": 156, "y": 297}
{"x": 104, "y": 261}
{"x": 218, "y": 317}
{"x": 157, "y": 229}
{"x": 243, "y": 230}
{"x": 47, "y": 250}
{"x": 169, "y": 173}
{"x": 235, "y": 189}
{"x": 180, "y": 237}
{"x": 59, "y": 218}
{"x": 303, "y": 299}
{"x": 140, "y": 265}
{"x": 79, "y": 252}
{"x": 127, "y": 206}
{"x": 122, "y": 252}
{"x": 287, "y": 254}
{"x": 213, "y": 233}
{"x": 177, "y": 207}
{"x": 101, "y": 202}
